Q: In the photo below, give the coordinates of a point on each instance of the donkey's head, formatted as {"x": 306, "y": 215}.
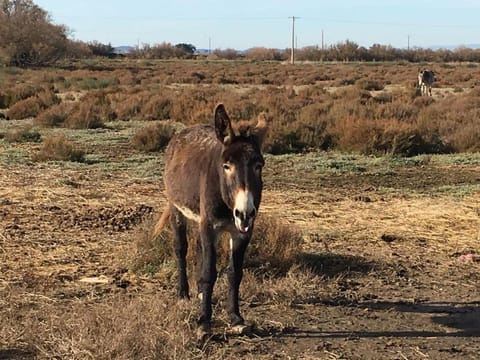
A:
{"x": 240, "y": 168}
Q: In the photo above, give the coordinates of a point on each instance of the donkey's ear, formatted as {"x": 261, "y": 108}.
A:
{"x": 223, "y": 126}
{"x": 260, "y": 131}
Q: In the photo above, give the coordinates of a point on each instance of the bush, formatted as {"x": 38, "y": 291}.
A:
{"x": 59, "y": 148}
{"x": 274, "y": 247}
{"x": 153, "y": 137}
{"x": 53, "y": 116}
{"x": 32, "y": 106}
{"x": 157, "y": 108}
{"x": 369, "y": 84}
{"x": 91, "y": 112}
{"x": 17, "y": 93}
{"x": 22, "y": 135}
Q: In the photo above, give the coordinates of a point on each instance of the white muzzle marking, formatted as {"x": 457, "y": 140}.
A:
{"x": 244, "y": 210}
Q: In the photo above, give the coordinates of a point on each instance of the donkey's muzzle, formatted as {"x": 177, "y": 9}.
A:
{"x": 244, "y": 219}
{"x": 244, "y": 210}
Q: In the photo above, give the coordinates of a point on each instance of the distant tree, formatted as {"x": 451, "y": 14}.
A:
{"x": 27, "y": 35}
{"x": 186, "y": 50}
{"x": 262, "y": 53}
{"x": 227, "y": 54}
{"x": 99, "y": 49}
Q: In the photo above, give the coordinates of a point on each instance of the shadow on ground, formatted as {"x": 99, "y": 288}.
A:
{"x": 331, "y": 265}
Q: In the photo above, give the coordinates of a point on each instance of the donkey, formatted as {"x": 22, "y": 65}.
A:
{"x": 213, "y": 176}
{"x": 426, "y": 78}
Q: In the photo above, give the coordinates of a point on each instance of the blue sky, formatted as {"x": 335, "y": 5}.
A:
{"x": 242, "y": 24}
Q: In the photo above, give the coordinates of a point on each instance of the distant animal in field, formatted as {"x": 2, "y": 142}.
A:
{"x": 426, "y": 78}
{"x": 213, "y": 177}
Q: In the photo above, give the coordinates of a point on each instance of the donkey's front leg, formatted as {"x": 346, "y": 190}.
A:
{"x": 207, "y": 278}
{"x": 238, "y": 244}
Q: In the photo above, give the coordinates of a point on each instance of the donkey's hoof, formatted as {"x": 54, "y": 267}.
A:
{"x": 240, "y": 329}
{"x": 203, "y": 333}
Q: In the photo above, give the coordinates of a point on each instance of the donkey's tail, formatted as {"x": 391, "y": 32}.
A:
{"x": 161, "y": 223}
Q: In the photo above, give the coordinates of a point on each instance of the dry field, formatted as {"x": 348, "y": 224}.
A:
{"x": 389, "y": 267}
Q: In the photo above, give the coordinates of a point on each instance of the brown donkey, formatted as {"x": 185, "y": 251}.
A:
{"x": 213, "y": 177}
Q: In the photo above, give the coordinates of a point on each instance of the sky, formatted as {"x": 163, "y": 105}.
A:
{"x": 242, "y": 24}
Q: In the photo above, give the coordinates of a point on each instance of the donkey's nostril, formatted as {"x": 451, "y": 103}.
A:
{"x": 237, "y": 213}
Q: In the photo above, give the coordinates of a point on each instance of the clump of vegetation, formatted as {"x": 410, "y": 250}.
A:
{"x": 153, "y": 137}
{"x": 32, "y": 106}
{"x": 91, "y": 113}
{"x": 22, "y": 135}
{"x": 59, "y": 148}
{"x": 274, "y": 248}
{"x": 152, "y": 252}
{"x": 53, "y": 116}
{"x": 157, "y": 108}
{"x": 17, "y": 93}
{"x": 369, "y": 84}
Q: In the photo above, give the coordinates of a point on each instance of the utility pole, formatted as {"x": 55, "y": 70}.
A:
{"x": 408, "y": 42}
{"x": 323, "y": 44}
{"x": 292, "y": 59}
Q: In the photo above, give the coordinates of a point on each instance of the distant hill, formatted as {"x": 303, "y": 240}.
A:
{"x": 453, "y": 47}
{"x": 123, "y": 49}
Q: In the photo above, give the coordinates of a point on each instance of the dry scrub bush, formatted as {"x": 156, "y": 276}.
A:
{"x": 153, "y": 137}
{"x": 22, "y": 134}
{"x": 274, "y": 248}
{"x": 54, "y": 115}
{"x": 91, "y": 112}
{"x": 388, "y": 136}
{"x": 158, "y": 107}
{"x": 59, "y": 148}
{"x": 129, "y": 106}
{"x": 33, "y": 105}
{"x": 16, "y": 93}
{"x": 369, "y": 84}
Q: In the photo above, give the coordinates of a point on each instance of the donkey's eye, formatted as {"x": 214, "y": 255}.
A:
{"x": 227, "y": 167}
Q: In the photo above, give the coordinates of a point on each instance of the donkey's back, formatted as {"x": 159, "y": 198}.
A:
{"x": 189, "y": 158}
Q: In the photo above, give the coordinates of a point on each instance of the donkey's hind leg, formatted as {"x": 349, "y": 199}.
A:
{"x": 179, "y": 227}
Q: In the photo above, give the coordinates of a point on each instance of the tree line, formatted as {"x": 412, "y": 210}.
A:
{"x": 28, "y": 37}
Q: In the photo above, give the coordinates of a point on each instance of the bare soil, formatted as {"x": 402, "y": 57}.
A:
{"x": 390, "y": 268}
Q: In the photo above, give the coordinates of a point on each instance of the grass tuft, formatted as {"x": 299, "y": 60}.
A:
{"x": 59, "y": 148}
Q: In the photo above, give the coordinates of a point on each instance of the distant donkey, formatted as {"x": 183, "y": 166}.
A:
{"x": 426, "y": 78}
{"x": 213, "y": 176}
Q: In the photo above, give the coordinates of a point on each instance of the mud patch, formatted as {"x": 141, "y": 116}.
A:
{"x": 115, "y": 219}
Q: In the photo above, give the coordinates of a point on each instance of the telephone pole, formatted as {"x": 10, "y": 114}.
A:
{"x": 292, "y": 59}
